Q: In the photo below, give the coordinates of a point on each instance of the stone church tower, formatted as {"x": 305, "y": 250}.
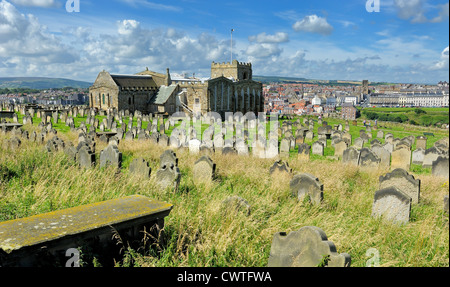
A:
{"x": 236, "y": 70}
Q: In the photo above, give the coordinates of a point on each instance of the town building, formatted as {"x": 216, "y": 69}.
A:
{"x": 349, "y": 112}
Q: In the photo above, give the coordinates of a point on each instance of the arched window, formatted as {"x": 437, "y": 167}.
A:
{"x": 103, "y": 98}
{"x": 129, "y": 101}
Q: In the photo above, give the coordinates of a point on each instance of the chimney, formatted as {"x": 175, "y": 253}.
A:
{"x": 168, "y": 79}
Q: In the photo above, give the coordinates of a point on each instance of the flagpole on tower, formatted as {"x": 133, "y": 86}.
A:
{"x": 232, "y": 30}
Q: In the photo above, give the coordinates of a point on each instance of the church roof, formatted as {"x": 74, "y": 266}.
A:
{"x": 163, "y": 95}
{"x": 134, "y": 81}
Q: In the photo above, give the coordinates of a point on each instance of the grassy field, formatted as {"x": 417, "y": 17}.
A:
{"x": 416, "y": 116}
{"x": 198, "y": 232}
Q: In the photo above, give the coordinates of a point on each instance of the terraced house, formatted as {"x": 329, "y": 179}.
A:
{"x": 229, "y": 89}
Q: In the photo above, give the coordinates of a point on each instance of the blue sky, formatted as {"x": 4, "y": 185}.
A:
{"x": 406, "y": 41}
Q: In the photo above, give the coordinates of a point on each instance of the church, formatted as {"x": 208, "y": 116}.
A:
{"x": 229, "y": 89}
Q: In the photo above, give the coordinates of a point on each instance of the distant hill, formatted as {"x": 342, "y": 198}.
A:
{"x": 279, "y": 79}
{"x": 41, "y": 83}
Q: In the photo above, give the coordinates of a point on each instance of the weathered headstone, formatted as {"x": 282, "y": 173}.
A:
{"x": 168, "y": 158}
{"x": 368, "y": 158}
{"x": 306, "y": 247}
{"x": 280, "y": 168}
{"x": 168, "y": 177}
{"x": 111, "y": 156}
{"x": 431, "y": 155}
{"x": 235, "y": 204}
{"x": 358, "y": 143}
{"x": 163, "y": 140}
{"x": 401, "y": 158}
{"x": 392, "y": 205}
{"x": 404, "y": 181}
{"x": 440, "y": 167}
{"x": 418, "y": 156}
{"x": 85, "y": 157}
{"x": 194, "y": 146}
{"x": 204, "y": 170}
{"x": 318, "y": 148}
{"x": 304, "y": 184}
{"x": 339, "y": 147}
{"x": 285, "y": 147}
{"x": 229, "y": 151}
{"x": 304, "y": 151}
{"x": 140, "y": 167}
{"x": 242, "y": 148}
{"x": 351, "y": 156}
{"x": 421, "y": 142}
{"x": 380, "y": 134}
{"x": 383, "y": 155}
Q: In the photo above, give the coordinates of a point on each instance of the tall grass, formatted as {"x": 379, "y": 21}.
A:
{"x": 200, "y": 231}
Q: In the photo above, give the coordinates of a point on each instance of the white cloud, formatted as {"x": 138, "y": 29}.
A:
{"x": 408, "y": 9}
{"x": 37, "y": 3}
{"x": 23, "y": 38}
{"x": 313, "y": 24}
{"x": 443, "y": 64}
{"x": 415, "y": 11}
{"x": 443, "y": 14}
{"x": 151, "y": 5}
{"x": 279, "y": 37}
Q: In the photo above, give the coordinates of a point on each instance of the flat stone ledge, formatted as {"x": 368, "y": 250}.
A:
{"x": 66, "y": 228}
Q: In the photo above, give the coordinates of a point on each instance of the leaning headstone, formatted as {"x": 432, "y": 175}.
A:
{"x": 368, "y": 158}
{"x": 111, "y": 156}
{"x": 285, "y": 147}
{"x": 440, "y": 167}
{"x": 85, "y": 157}
{"x": 304, "y": 184}
{"x": 358, "y": 143}
{"x": 194, "y": 146}
{"x": 392, "y": 205}
{"x": 71, "y": 152}
{"x": 318, "y": 148}
{"x": 401, "y": 158}
{"x": 421, "y": 142}
{"x": 163, "y": 140}
{"x": 351, "y": 156}
{"x": 140, "y": 167}
{"x": 418, "y": 156}
{"x": 339, "y": 147}
{"x": 129, "y": 136}
{"x": 306, "y": 247}
{"x": 304, "y": 151}
{"x": 242, "y": 148}
{"x": 229, "y": 151}
{"x": 234, "y": 204}
{"x": 404, "y": 181}
{"x": 383, "y": 155}
{"x": 15, "y": 143}
{"x": 280, "y": 168}
{"x": 430, "y": 156}
{"x": 380, "y": 134}
{"x": 168, "y": 158}
{"x": 204, "y": 170}
{"x": 168, "y": 177}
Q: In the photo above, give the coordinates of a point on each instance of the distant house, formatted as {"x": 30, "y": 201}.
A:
{"x": 349, "y": 112}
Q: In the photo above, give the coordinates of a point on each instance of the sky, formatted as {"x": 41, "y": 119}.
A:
{"x": 397, "y": 41}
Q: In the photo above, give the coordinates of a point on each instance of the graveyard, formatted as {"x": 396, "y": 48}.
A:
{"x": 243, "y": 197}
